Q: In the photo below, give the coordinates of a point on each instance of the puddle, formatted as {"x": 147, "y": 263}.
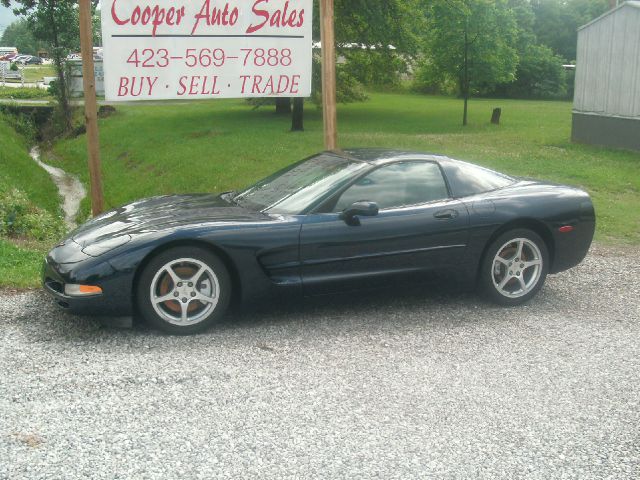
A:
{"x": 69, "y": 187}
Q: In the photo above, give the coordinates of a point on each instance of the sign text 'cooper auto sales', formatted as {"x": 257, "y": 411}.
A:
{"x": 195, "y": 49}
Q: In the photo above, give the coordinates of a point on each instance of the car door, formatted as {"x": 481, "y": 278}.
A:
{"x": 419, "y": 228}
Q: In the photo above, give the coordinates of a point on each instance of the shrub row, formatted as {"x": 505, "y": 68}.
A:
{"x": 21, "y": 218}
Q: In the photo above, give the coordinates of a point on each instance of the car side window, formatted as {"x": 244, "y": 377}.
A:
{"x": 396, "y": 185}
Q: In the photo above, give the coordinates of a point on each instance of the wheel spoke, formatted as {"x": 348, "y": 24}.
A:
{"x": 164, "y": 298}
{"x": 174, "y": 276}
{"x": 184, "y": 309}
{"x": 519, "y": 250}
{"x": 503, "y": 261}
{"x": 204, "y": 298}
{"x": 523, "y": 286}
{"x": 532, "y": 263}
{"x": 194, "y": 279}
{"x": 504, "y": 281}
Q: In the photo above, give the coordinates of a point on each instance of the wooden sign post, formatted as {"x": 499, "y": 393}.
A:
{"x": 327, "y": 38}
{"x": 90, "y": 106}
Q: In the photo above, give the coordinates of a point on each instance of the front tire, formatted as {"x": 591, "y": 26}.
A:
{"x": 514, "y": 267}
{"x": 184, "y": 290}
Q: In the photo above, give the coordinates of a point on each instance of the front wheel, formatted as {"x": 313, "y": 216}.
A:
{"x": 184, "y": 290}
{"x": 514, "y": 267}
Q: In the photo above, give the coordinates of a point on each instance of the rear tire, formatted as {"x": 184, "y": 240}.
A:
{"x": 184, "y": 290}
{"x": 514, "y": 267}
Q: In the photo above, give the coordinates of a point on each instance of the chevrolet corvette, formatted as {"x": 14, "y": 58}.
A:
{"x": 335, "y": 221}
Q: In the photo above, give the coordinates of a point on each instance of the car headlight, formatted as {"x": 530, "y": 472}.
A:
{"x": 97, "y": 249}
{"x": 74, "y": 290}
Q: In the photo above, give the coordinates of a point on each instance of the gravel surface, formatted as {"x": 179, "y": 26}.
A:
{"x": 390, "y": 385}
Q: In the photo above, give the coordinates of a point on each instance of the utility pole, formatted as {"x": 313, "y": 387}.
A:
{"x": 465, "y": 81}
{"x": 327, "y": 37}
{"x": 90, "y": 107}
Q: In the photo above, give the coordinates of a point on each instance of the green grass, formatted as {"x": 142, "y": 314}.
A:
{"x": 19, "y": 266}
{"x": 18, "y": 170}
{"x": 35, "y": 73}
{"x": 222, "y": 145}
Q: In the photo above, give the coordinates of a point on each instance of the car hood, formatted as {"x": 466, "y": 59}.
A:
{"x": 163, "y": 213}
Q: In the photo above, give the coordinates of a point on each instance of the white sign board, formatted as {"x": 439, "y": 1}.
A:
{"x": 197, "y": 49}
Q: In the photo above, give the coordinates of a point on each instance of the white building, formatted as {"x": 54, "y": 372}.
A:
{"x": 606, "y": 107}
{"x": 8, "y": 51}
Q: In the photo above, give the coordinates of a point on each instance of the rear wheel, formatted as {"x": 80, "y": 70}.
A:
{"x": 184, "y": 290}
{"x": 514, "y": 267}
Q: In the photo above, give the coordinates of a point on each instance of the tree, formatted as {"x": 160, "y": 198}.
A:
{"x": 557, "y": 22}
{"x": 377, "y": 38}
{"x": 539, "y": 73}
{"x": 473, "y": 41}
{"x": 56, "y": 24}
{"x": 378, "y": 23}
{"x": 283, "y": 105}
{"x": 297, "y": 124}
{"x": 18, "y": 35}
{"x": 366, "y": 23}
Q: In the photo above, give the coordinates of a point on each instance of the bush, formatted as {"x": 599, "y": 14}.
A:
{"x": 427, "y": 80}
{"x": 19, "y": 217}
{"x": 24, "y": 93}
{"x": 53, "y": 88}
{"x": 39, "y": 225}
{"x": 348, "y": 88}
{"x": 374, "y": 68}
{"x": 540, "y": 75}
{"x": 13, "y": 204}
{"x": 24, "y": 124}
{"x": 56, "y": 125}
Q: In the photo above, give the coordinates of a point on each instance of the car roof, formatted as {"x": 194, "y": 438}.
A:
{"x": 379, "y": 156}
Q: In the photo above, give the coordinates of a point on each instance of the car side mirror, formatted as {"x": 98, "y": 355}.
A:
{"x": 359, "y": 209}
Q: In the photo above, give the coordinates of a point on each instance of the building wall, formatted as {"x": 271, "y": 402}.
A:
{"x": 608, "y": 65}
{"x": 607, "y": 84}
{"x": 617, "y": 132}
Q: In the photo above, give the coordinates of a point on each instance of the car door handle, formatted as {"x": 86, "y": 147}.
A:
{"x": 446, "y": 214}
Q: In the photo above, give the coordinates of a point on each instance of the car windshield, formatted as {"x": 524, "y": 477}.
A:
{"x": 292, "y": 190}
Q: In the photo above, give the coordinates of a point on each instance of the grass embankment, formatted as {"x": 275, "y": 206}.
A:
{"x": 18, "y": 170}
{"x": 19, "y": 265}
{"x": 216, "y": 146}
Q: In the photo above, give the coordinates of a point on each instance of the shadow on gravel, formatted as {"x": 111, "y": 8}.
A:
{"x": 351, "y": 304}
{"x": 335, "y": 311}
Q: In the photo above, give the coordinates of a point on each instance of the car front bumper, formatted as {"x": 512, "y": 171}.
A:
{"x": 114, "y": 305}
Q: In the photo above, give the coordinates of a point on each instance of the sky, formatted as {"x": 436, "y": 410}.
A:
{"x": 6, "y": 17}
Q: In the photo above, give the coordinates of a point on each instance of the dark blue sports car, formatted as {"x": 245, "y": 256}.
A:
{"x": 334, "y": 221}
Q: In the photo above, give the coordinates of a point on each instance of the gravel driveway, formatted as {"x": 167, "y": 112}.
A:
{"x": 411, "y": 385}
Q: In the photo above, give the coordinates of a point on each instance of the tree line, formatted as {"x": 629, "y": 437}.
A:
{"x": 505, "y": 48}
